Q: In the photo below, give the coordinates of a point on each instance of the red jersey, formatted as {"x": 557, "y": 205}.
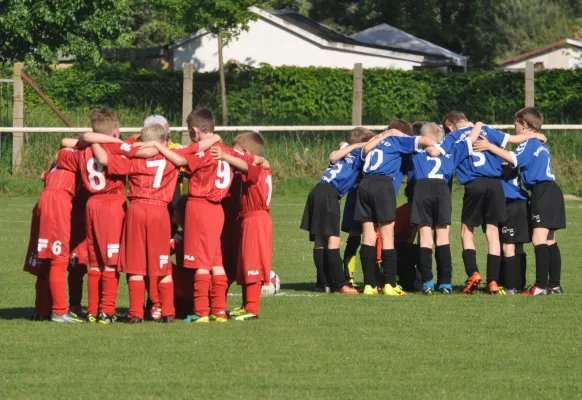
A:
{"x": 152, "y": 180}
{"x": 257, "y": 190}
{"x": 95, "y": 177}
{"x": 231, "y": 203}
{"x": 60, "y": 179}
{"x": 210, "y": 178}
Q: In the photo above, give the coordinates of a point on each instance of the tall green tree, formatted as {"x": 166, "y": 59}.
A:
{"x": 40, "y": 30}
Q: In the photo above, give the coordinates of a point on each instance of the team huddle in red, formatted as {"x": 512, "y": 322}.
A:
{"x": 81, "y": 223}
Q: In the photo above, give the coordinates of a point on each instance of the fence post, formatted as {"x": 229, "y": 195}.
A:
{"x": 187, "y": 94}
{"x": 358, "y": 94}
{"x": 529, "y": 84}
{"x": 17, "y": 116}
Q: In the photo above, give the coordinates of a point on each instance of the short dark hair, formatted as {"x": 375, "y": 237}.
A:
{"x": 417, "y": 126}
{"x": 453, "y": 118}
{"x": 401, "y": 125}
{"x": 532, "y": 116}
{"x": 359, "y": 135}
{"x": 104, "y": 120}
{"x": 202, "y": 118}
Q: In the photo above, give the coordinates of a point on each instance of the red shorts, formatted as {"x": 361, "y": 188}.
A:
{"x": 202, "y": 230}
{"x": 256, "y": 248}
{"x": 104, "y": 218}
{"x": 145, "y": 243}
{"x": 229, "y": 244}
{"x": 33, "y": 265}
{"x": 78, "y": 242}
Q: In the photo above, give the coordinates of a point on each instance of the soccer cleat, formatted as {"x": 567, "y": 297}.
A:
{"x": 351, "y": 267}
{"x": 390, "y": 290}
{"x": 156, "y": 313}
{"x": 347, "y": 290}
{"x": 321, "y": 288}
{"x": 428, "y": 291}
{"x": 168, "y": 319}
{"x": 534, "y": 291}
{"x": 493, "y": 288}
{"x": 445, "y": 288}
{"x": 67, "y": 318}
{"x": 106, "y": 319}
{"x": 222, "y": 316}
{"x": 92, "y": 319}
{"x": 134, "y": 320}
{"x": 472, "y": 283}
{"x": 196, "y": 319}
{"x": 510, "y": 292}
{"x": 369, "y": 290}
{"x": 556, "y": 290}
{"x": 237, "y": 311}
{"x": 352, "y": 283}
{"x": 37, "y": 317}
{"x": 77, "y": 310}
{"x": 247, "y": 316}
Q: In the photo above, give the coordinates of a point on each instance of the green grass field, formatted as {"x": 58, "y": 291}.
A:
{"x": 305, "y": 345}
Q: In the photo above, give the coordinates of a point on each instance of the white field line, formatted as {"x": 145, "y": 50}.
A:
{"x": 283, "y": 294}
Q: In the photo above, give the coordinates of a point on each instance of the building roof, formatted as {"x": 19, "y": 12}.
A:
{"x": 388, "y": 36}
{"x": 542, "y": 50}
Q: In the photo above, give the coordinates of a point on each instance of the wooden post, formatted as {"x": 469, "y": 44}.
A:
{"x": 529, "y": 84}
{"x": 17, "y": 117}
{"x": 222, "y": 81}
{"x": 358, "y": 94}
{"x": 187, "y": 94}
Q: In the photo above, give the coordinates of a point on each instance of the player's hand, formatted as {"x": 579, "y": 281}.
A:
{"x": 542, "y": 138}
{"x": 265, "y": 164}
{"x": 217, "y": 153}
{"x": 342, "y": 144}
{"x": 482, "y": 144}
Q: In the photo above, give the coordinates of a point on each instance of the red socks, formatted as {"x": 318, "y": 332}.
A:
{"x": 75, "y": 281}
{"x": 152, "y": 288}
{"x": 252, "y": 296}
{"x": 166, "y": 291}
{"x": 218, "y": 293}
{"x": 58, "y": 286}
{"x": 93, "y": 291}
{"x": 136, "y": 298}
{"x": 43, "y": 300}
{"x": 109, "y": 281}
{"x": 202, "y": 284}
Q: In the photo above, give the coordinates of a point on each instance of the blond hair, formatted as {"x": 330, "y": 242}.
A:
{"x": 154, "y": 132}
{"x": 104, "y": 120}
{"x": 432, "y": 130}
{"x": 252, "y": 142}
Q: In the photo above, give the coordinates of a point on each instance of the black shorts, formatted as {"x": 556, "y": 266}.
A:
{"x": 547, "y": 206}
{"x": 321, "y": 215}
{"x": 431, "y": 204}
{"x": 376, "y": 200}
{"x": 483, "y": 202}
{"x": 516, "y": 229}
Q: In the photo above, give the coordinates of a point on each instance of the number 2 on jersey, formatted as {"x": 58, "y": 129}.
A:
{"x": 160, "y": 165}
{"x": 223, "y": 173}
{"x": 433, "y": 174}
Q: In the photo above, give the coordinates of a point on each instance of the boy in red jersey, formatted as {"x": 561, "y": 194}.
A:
{"x": 256, "y": 246}
{"x": 145, "y": 250}
{"x": 208, "y": 185}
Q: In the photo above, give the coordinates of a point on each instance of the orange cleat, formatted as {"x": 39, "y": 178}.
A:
{"x": 535, "y": 291}
{"x": 472, "y": 283}
{"x": 492, "y": 288}
{"x": 346, "y": 289}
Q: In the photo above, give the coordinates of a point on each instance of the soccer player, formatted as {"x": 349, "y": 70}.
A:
{"x": 432, "y": 205}
{"x": 376, "y": 204}
{"x": 256, "y": 247}
{"x": 183, "y": 277}
{"x": 547, "y": 201}
{"x": 78, "y": 248}
{"x": 321, "y": 216}
{"x": 484, "y": 201}
{"x": 209, "y": 183}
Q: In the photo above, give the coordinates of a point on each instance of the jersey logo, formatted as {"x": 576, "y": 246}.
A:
{"x": 164, "y": 261}
{"x": 42, "y": 244}
{"x": 126, "y": 147}
{"x": 505, "y": 230}
{"x": 253, "y": 273}
{"x": 112, "y": 249}
{"x": 536, "y": 218}
{"x": 189, "y": 257}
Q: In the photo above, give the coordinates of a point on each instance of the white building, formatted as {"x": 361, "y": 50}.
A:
{"x": 565, "y": 54}
{"x": 285, "y": 37}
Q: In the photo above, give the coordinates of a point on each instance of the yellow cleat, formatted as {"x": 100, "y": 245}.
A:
{"x": 221, "y": 317}
{"x": 390, "y": 290}
{"x": 237, "y": 311}
{"x": 369, "y": 290}
{"x": 352, "y": 267}
{"x": 196, "y": 319}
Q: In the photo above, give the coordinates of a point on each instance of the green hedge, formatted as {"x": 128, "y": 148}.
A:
{"x": 290, "y": 95}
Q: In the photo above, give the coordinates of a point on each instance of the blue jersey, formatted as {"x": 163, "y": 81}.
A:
{"x": 479, "y": 164}
{"x": 343, "y": 174}
{"x": 386, "y": 158}
{"x": 442, "y": 167}
{"x": 533, "y": 159}
{"x": 511, "y": 183}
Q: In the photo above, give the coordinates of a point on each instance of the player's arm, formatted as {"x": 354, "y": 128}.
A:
{"x": 485, "y": 145}
{"x": 433, "y": 151}
{"x": 376, "y": 140}
{"x": 476, "y": 131}
{"x": 171, "y": 156}
{"x": 100, "y": 153}
{"x": 519, "y": 139}
{"x": 207, "y": 143}
{"x": 69, "y": 143}
{"x": 342, "y": 153}
{"x": 426, "y": 142}
{"x": 89, "y": 138}
{"x": 218, "y": 154}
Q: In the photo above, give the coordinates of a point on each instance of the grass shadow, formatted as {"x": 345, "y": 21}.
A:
{"x": 299, "y": 286}
{"x": 16, "y": 313}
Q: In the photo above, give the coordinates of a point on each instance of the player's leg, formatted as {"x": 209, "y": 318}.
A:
{"x": 443, "y": 259}
{"x": 43, "y": 299}
{"x": 511, "y": 270}
{"x": 425, "y": 262}
{"x": 472, "y": 216}
{"x": 493, "y": 259}
{"x": 350, "y": 259}
{"x": 136, "y": 287}
{"x": 319, "y": 258}
{"x": 470, "y": 259}
{"x": 554, "y": 283}
{"x": 93, "y": 272}
{"x": 335, "y": 267}
{"x": 389, "y": 260}
{"x": 166, "y": 292}
{"x": 368, "y": 258}
{"x": 542, "y": 254}
{"x": 522, "y": 259}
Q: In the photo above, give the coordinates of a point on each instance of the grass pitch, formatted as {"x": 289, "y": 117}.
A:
{"x": 305, "y": 345}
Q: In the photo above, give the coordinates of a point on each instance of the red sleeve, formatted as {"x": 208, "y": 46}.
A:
{"x": 118, "y": 165}
{"x": 187, "y": 150}
{"x": 253, "y": 175}
{"x": 194, "y": 161}
{"x": 246, "y": 156}
{"x": 120, "y": 149}
{"x": 68, "y": 160}
{"x": 131, "y": 139}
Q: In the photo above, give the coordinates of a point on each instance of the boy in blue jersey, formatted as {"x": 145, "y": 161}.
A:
{"x": 432, "y": 205}
{"x": 483, "y": 201}
{"x": 376, "y": 204}
{"x": 548, "y": 212}
{"x": 514, "y": 231}
{"x": 321, "y": 217}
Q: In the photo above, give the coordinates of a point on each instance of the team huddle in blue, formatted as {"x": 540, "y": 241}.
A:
{"x": 511, "y": 195}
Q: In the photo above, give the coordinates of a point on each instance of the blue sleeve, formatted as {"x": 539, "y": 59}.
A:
{"x": 496, "y": 137}
{"x": 446, "y": 145}
{"x": 462, "y": 150}
{"x": 405, "y": 144}
{"x": 523, "y": 155}
{"x": 357, "y": 154}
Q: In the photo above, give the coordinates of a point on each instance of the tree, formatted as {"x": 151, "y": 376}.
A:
{"x": 40, "y": 30}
